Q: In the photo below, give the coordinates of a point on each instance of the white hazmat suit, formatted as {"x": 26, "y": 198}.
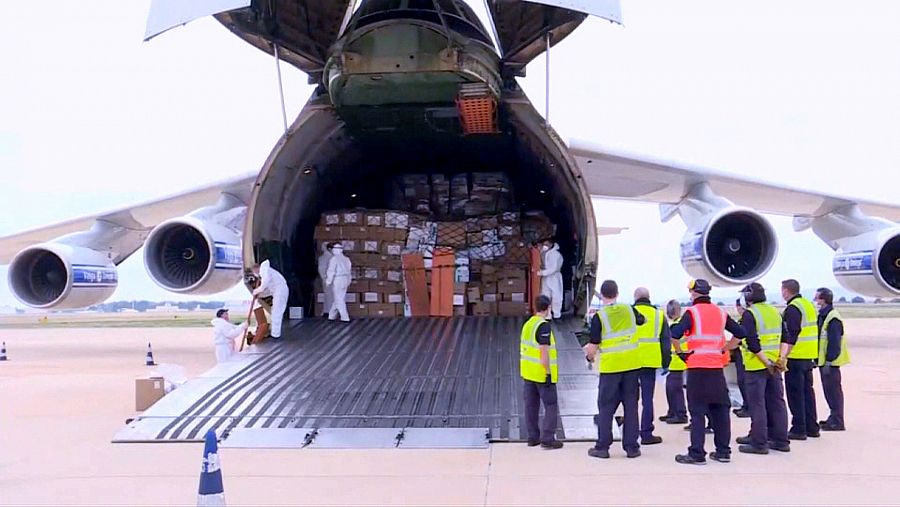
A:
{"x": 552, "y": 280}
{"x": 324, "y": 259}
{"x": 273, "y": 284}
{"x": 338, "y": 277}
{"x": 224, "y": 333}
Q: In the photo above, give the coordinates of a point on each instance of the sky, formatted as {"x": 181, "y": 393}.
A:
{"x": 803, "y": 93}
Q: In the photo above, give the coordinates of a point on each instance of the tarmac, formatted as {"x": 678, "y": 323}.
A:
{"x": 65, "y": 392}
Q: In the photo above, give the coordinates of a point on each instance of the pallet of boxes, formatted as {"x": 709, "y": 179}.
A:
{"x": 467, "y": 230}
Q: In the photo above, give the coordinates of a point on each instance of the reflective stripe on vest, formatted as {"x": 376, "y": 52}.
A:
{"x": 844, "y": 356}
{"x": 618, "y": 345}
{"x": 806, "y": 346}
{"x": 648, "y": 336}
{"x": 706, "y": 339}
{"x": 530, "y": 366}
{"x": 768, "y": 327}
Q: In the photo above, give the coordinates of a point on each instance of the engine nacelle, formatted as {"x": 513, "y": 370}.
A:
{"x": 870, "y": 264}
{"x": 732, "y": 246}
{"x": 189, "y": 255}
{"x": 60, "y": 276}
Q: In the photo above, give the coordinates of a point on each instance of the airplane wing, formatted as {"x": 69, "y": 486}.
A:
{"x": 131, "y": 224}
{"x": 618, "y": 174}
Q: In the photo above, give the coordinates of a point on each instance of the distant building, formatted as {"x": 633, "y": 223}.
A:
{"x": 166, "y": 308}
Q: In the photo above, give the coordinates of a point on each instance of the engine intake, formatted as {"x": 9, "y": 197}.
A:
{"x": 188, "y": 255}
{"x": 732, "y": 247}
{"x": 58, "y": 276}
{"x": 871, "y": 266}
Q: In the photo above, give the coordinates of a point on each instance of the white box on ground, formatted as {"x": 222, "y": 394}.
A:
{"x": 296, "y": 312}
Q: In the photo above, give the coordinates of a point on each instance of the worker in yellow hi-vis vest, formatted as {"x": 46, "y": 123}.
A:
{"x": 540, "y": 373}
{"x": 799, "y": 352}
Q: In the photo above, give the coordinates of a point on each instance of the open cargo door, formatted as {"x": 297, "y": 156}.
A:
{"x": 522, "y": 26}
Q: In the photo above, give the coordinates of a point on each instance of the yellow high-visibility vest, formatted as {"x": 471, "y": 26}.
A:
{"x": 648, "y": 336}
{"x": 619, "y": 345}
{"x": 844, "y": 357}
{"x": 768, "y": 326}
{"x": 530, "y": 365}
{"x": 807, "y": 341}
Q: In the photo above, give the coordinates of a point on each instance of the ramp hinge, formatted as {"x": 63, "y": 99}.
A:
{"x": 309, "y": 438}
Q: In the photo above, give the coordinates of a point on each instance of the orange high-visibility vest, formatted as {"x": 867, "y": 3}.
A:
{"x": 706, "y": 338}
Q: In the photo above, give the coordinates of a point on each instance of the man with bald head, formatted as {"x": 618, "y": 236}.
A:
{"x": 654, "y": 348}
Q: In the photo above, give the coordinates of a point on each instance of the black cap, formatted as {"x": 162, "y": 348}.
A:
{"x": 221, "y": 312}
{"x": 754, "y": 292}
{"x": 700, "y": 286}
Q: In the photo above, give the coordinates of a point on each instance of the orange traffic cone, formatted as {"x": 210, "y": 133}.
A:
{"x": 3, "y": 352}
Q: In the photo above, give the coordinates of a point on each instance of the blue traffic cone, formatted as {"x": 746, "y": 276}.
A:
{"x": 3, "y": 352}
{"x": 211, "y": 492}
{"x": 149, "y": 360}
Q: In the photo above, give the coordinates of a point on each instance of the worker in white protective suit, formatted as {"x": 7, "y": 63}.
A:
{"x": 551, "y": 276}
{"x": 224, "y": 333}
{"x": 338, "y": 277}
{"x": 271, "y": 283}
{"x": 324, "y": 259}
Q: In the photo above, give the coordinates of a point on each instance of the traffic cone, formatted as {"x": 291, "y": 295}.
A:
{"x": 3, "y": 352}
{"x": 211, "y": 492}
{"x": 149, "y": 360}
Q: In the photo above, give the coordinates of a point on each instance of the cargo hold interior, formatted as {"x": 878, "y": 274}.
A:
{"x": 328, "y": 166}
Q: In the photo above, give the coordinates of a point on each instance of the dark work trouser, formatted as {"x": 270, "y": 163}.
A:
{"x": 647, "y": 382}
{"x": 801, "y": 397}
{"x": 537, "y": 394}
{"x": 707, "y": 397}
{"x": 834, "y": 394}
{"x": 768, "y": 413}
{"x": 675, "y": 395}
{"x": 738, "y": 360}
{"x": 614, "y": 389}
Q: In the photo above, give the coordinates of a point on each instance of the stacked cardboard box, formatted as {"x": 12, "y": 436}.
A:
{"x": 373, "y": 240}
{"x": 471, "y": 213}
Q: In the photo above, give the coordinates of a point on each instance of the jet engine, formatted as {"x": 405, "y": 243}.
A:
{"x": 870, "y": 264}
{"x": 61, "y": 276}
{"x": 732, "y": 246}
{"x": 190, "y": 255}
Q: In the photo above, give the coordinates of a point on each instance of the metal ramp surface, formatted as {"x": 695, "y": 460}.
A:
{"x": 458, "y": 373}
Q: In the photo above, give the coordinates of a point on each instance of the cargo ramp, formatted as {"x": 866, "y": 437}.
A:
{"x": 414, "y": 382}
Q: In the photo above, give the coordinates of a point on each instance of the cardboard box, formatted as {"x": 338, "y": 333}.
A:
{"x": 320, "y": 309}
{"x": 382, "y": 310}
{"x": 148, "y": 391}
{"x": 490, "y": 297}
{"x": 393, "y": 249}
{"x": 352, "y": 218}
{"x": 393, "y": 275}
{"x": 359, "y": 285}
{"x": 371, "y": 246}
{"x": 349, "y": 245}
{"x": 473, "y": 294}
{"x": 358, "y": 311}
{"x": 483, "y": 309}
{"x": 459, "y": 311}
{"x": 355, "y": 232}
{"x": 459, "y": 300}
{"x": 515, "y": 297}
{"x": 327, "y": 233}
{"x": 375, "y": 219}
{"x": 394, "y": 298}
{"x": 488, "y": 287}
{"x": 295, "y": 313}
{"x": 371, "y": 273}
{"x": 396, "y": 220}
{"x": 371, "y": 297}
{"x": 462, "y": 274}
{"x": 386, "y": 287}
{"x": 351, "y": 298}
{"x": 331, "y": 219}
{"x": 459, "y": 288}
{"x": 511, "y": 286}
{"x": 510, "y": 309}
